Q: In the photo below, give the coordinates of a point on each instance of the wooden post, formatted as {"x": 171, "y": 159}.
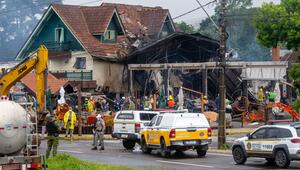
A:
{"x": 131, "y": 83}
{"x": 167, "y": 82}
{"x": 204, "y": 82}
{"x": 79, "y": 109}
{"x": 202, "y": 103}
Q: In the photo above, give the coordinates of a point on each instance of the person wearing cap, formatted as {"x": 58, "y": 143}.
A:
{"x": 69, "y": 122}
{"x": 53, "y": 135}
{"x": 98, "y": 130}
{"x": 171, "y": 102}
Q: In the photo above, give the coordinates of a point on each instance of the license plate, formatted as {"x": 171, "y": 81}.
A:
{"x": 190, "y": 142}
{"x": 124, "y": 136}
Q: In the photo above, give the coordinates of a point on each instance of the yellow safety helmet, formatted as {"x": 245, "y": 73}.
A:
{"x": 170, "y": 97}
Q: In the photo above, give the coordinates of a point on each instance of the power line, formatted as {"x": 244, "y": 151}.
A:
{"x": 193, "y": 10}
{"x": 208, "y": 15}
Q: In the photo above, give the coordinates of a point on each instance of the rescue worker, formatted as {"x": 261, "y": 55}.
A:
{"x": 98, "y": 130}
{"x": 69, "y": 122}
{"x": 147, "y": 104}
{"x": 205, "y": 103}
{"x": 271, "y": 96}
{"x": 131, "y": 104}
{"x": 53, "y": 135}
{"x": 171, "y": 102}
{"x": 261, "y": 95}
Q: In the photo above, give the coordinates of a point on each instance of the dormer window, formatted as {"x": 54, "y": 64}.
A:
{"x": 110, "y": 35}
{"x": 59, "y": 35}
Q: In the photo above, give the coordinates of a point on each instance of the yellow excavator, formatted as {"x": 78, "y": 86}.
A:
{"x": 38, "y": 61}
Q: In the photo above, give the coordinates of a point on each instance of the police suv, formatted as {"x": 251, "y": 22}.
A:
{"x": 279, "y": 144}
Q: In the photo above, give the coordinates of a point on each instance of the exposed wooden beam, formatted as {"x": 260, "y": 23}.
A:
{"x": 208, "y": 65}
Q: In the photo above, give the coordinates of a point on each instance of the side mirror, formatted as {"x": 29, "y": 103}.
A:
{"x": 248, "y": 135}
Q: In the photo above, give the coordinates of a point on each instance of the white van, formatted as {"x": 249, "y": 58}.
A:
{"x": 128, "y": 123}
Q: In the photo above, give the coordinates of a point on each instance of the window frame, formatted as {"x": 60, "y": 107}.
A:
{"x": 153, "y": 121}
{"x": 148, "y": 116}
{"x": 59, "y": 38}
{"x": 265, "y": 129}
{"x": 77, "y": 64}
{"x": 158, "y": 121}
{"x": 122, "y": 113}
{"x": 108, "y": 35}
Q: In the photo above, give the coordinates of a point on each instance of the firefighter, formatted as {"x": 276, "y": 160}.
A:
{"x": 99, "y": 129}
{"x": 69, "y": 122}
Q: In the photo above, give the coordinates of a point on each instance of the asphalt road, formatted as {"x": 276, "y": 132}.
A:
{"x": 115, "y": 154}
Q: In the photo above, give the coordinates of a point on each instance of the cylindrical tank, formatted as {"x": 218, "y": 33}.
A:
{"x": 13, "y": 127}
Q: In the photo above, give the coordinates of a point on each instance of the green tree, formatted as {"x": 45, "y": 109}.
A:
{"x": 294, "y": 73}
{"x": 279, "y": 24}
{"x": 187, "y": 28}
{"x": 242, "y": 36}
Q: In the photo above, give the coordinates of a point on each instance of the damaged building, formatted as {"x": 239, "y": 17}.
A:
{"x": 181, "y": 48}
{"x": 96, "y": 44}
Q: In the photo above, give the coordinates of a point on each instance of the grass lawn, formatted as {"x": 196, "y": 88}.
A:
{"x": 68, "y": 162}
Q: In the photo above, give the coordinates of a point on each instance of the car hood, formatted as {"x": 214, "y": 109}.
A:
{"x": 241, "y": 139}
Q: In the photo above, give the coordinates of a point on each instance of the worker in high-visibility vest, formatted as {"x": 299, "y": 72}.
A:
{"x": 205, "y": 103}
{"x": 171, "y": 102}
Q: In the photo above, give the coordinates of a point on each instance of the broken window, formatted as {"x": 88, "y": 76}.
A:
{"x": 80, "y": 63}
{"x": 59, "y": 35}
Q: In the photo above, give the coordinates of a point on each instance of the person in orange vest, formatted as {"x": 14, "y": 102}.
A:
{"x": 171, "y": 102}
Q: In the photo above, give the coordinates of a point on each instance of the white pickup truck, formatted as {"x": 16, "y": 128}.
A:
{"x": 128, "y": 123}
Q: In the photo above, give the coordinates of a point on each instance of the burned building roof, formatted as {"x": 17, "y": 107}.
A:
{"x": 87, "y": 23}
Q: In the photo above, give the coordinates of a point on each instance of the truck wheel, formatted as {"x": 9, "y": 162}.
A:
{"x": 239, "y": 155}
{"x": 164, "y": 151}
{"x": 281, "y": 159}
{"x": 144, "y": 146}
{"x": 128, "y": 144}
{"x": 201, "y": 153}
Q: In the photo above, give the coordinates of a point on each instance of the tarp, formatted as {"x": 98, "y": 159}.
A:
{"x": 180, "y": 99}
{"x": 267, "y": 73}
{"x": 277, "y": 91}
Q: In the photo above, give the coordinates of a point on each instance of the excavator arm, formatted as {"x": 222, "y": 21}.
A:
{"x": 37, "y": 61}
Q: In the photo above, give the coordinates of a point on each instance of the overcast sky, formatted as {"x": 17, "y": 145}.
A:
{"x": 176, "y": 7}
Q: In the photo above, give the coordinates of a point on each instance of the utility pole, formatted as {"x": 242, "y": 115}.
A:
{"x": 79, "y": 108}
{"x": 223, "y": 37}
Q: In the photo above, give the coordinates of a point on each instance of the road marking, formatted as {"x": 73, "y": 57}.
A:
{"x": 181, "y": 163}
{"x": 219, "y": 154}
{"x": 70, "y": 151}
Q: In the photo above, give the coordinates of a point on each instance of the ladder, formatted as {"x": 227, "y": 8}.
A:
{"x": 32, "y": 138}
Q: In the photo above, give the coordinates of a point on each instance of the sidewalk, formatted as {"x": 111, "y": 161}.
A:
{"x": 234, "y": 131}
{"x": 109, "y": 137}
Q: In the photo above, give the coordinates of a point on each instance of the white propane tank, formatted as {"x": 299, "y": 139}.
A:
{"x": 12, "y": 127}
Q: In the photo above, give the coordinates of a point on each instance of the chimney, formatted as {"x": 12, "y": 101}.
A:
{"x": 276, "y": 53}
